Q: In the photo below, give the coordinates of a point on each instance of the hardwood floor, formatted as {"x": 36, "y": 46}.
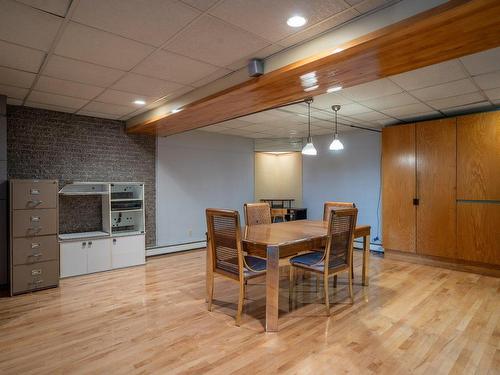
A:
{"x": 153, "y": 319}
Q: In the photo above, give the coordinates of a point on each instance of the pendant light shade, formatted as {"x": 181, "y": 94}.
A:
{"x": 309, "y": 148}
{"x": 336, "y": 144}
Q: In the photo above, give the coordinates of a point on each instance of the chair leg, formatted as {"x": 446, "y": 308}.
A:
{"x": 291, "y": 286}
{"x": 350, "y": 288}
{"x": 240, "y": 303}
{"x": 335, "y": 281}
{"x": 211, "y": 285}
{"x": 327, "y": 294}
{"x": 352, "y": 264}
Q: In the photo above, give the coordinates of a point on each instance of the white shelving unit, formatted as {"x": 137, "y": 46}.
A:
{"x": 121, "y": 240}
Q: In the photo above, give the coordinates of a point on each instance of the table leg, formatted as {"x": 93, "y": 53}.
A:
{"x": 208, "y": 270}
{"x": 272, "y": 288}
{"x": 366, "y": 259}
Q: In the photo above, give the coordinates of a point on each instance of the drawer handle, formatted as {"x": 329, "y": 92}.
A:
{"x": 36, "y": 282}
{"x": 35, "y": 229}
{"x": 36, "y": 272}
{"x": 35, "y": 245}
{"x": 36, "y": 255}
{"x": 35, "y": 202}
{"x": 35, "y": 219}
{"x": 34, "y": 191}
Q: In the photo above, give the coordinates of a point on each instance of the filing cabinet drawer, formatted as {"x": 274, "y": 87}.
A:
{"x": 35, "y": 276}
{"x": 34, "y": 249}
{"x": 29, "y": 223}
{"x": 34, "y": 194}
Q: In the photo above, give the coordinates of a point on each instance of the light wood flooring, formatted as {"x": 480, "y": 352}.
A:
{"x": 153, "y": 319}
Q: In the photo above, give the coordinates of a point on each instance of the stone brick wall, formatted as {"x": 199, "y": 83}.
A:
{"x": 54, "y": 145}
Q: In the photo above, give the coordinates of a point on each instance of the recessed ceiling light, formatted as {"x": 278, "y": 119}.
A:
{"x": 333, "y": 89}
{"x": 296, "y": 21}
{"x": 139, "y": 102}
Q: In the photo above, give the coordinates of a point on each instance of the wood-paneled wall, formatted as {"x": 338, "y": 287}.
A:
{"x": 456, "y": 178}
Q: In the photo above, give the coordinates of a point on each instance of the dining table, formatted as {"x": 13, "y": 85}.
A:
{"x": 285, "y": 239}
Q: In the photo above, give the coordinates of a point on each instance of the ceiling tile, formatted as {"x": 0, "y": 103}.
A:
{"x": 213, "y": 128}
{"x": 214, "y": 41}
{"x": 58, "y": 7}
{"x": 325, "y": 101}
{"x": 493, "y": 94}
{"x": 235, "y": 123}
{"x": 369, "y": 90}
{"x": 56, "y": 100}
{"x": 49, "y": 107}
{"x": 87, "y": 44}
{"x": 174, "y": 67}
{"x": 456, "y": 100}
{"x": 369, "y": 5}
{"x": 329, "y": 23}
{"x": 371, "y": 116}
{"x": 16, "y": 78}
{"x": 407, "y": 110}
{"x": 143, "y": 85}
{"x": 200, "y": 4}
{"x": 24, "y": 25}
{"x": 69, "y": 88}
{"x": 22, "y": 58}
{"x": 475, "y": 107}
{"x": 422, "y": 116}
{"x": 463, "y": 86}
{"x": 107, "y": 108}
{"x": 148, "y": 21}
{"x": 268, "y": 18}
{"x": 212, "y": 77}
{"x": 390, "y": 101}
{"x": 79, "y": 71}
{"x": 98, "y": 114}
{"x": 259, "y": 135}
{"x": 258, "y": 127}
{"x": 482, "y": 62}
{"x": 123, "y": 98}
{"x": 488, "y": 80}
{"x": 353, "y": 109}
{"x": 13, "y": 92}
{"x": 261, "y": 54}
{"x": 430, "y": 75}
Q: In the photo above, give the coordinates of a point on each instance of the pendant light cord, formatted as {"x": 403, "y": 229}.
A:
{"x": 336, "y": 123}
{"x": 308, "y": 120}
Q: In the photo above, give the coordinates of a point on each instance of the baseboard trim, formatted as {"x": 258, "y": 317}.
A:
{"x": 160, "y": 250}
{"x": 456, "y": 265}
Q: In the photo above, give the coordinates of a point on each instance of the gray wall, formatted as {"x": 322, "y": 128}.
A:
{"x": 352, "y": 175}
{"x": 197, "y": 170}
{"x": 3, "y": 191}
{"x": 54, "y": 145}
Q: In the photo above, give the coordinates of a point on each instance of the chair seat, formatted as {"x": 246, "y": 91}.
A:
{"x": 313, "y": 261}
{"x": 256, "y": 264}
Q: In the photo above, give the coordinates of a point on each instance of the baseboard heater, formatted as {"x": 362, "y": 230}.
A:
{"x": 159, "y": 250}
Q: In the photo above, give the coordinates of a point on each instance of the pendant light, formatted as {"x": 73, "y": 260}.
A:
{"x": 309, "y": 148}
{"x": 336, "y": 145}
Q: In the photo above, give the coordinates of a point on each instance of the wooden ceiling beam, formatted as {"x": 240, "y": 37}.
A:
{"x": 449, "y": 31}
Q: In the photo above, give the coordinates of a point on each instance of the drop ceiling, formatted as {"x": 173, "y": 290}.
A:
{"x": 468, "y": 84}
{"x": 95, "y": 57}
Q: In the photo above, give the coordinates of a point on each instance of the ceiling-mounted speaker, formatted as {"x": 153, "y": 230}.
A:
{"x": 255, "y": 67}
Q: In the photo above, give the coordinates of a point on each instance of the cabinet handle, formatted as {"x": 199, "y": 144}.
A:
{"x": 36, "y": 255}
{"x": 90, "y": 243}
{"x": 114, "y": 241}
{"x": 416, "y": 201}
{"x": 84, "y": 244}
{"x": 35, "y": 219}
{"x": 35, "y": 245}
{"x": 36, "y": 282}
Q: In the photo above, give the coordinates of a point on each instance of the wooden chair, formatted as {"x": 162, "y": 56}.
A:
{"x": 257, "y": 213}
{"x": 337, "y": 256}
{"x": 226, "y": 254}
{"x": 328, "y": 206}
{"x": 278, "y": 213}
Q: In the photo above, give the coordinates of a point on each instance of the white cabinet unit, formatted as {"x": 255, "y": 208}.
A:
{"x": 73, "y": 258}
{"x": 127, "y": 251}
{"x": 98, "y": 255}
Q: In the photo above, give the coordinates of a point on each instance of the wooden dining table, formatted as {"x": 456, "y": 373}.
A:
{"x": 282, "y": 240}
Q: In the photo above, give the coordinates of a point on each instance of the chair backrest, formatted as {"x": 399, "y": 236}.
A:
{"x": 335, "y": 205}
{"x": 341, "y": 226}
{"x": 257, "y": 213}
{"x": 224, "y": 240}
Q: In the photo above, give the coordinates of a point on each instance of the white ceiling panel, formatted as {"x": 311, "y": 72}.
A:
{"x": 458, "y": 100}
{"x": 374, "y": 89}
{"x": 174, "y": 67}
{"x": 69, "y": 88}
{"x": 216, "y": 42}
{"x": 482, "y": 106}
{"x": 16, "y": 78}
{"x": 98, "y": 114}
{"x": 493, "y": 94}
{"x": 56, "y": 100}
{"x": 353, "y": 109}
{"x": 390, "y": 101}
{"x": 200, "y": 4}
{"x": 24, "y": 25}
{"x": 13, "y": 92}
{"x": 260, "y": 54}
{"x": 213, "y": 128}
{"x": 268, "y": 18}
{"x": 87, "y": 44}
{"x": 407, "y": 110}
{"x": 326, "y": 101}
{"x": 79, "y": 71}
{"x": 368, "y": 5}
{"x": 143, "y": 85}
{"x": 488, "y": 80}
{"x": 422, "y": 116}
{"x": 482, "y": 62}
{"x": 371, "y": 116}
{"x": 107, "y": 108}
{"x": 235, "y": 123}
{"x": 123, "y": 98}
{"x": 58, "y": 7}
{"x": 148, "y": 21}
{"x": 18, "y": 57}
{"x": 49, "y": 107}
{"x": 463, "y": 86}
{"x": 219, "y": 73}
{"x": 430, "y": 75}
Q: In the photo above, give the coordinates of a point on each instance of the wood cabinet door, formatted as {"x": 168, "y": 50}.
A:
{"x": 436, "y": 188}
{"x": 478, "y": 156}
{"x": 398, "y": 188}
